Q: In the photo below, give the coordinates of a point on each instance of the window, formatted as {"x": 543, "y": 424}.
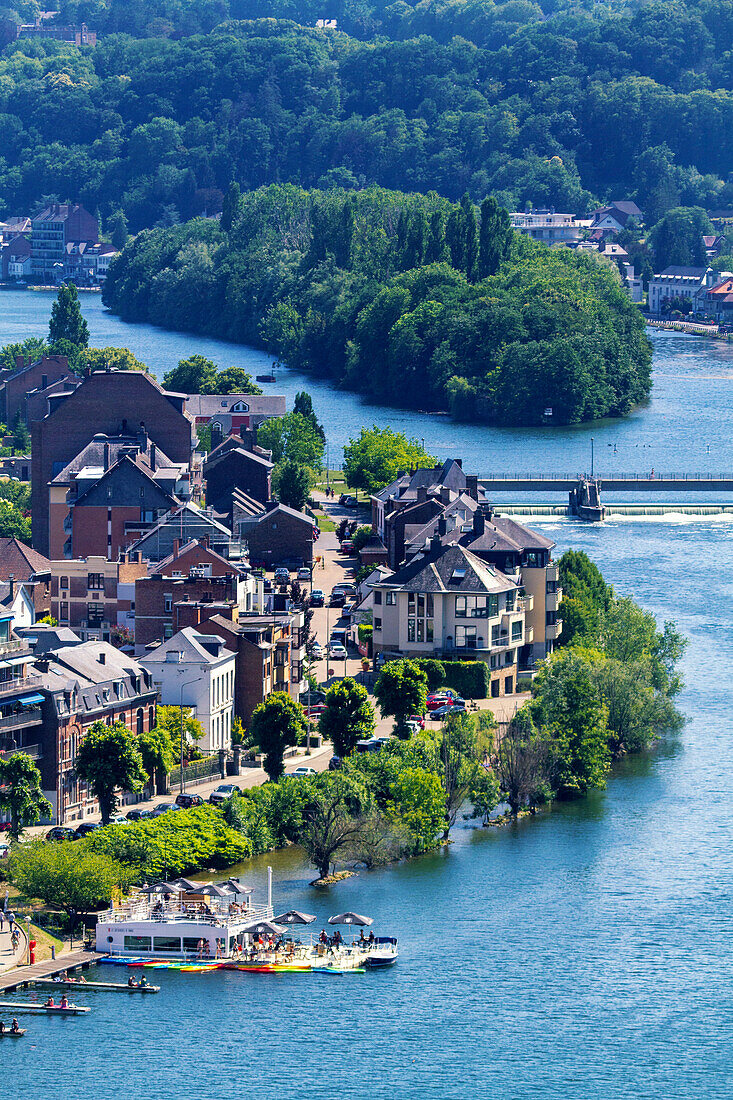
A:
{"x": 64, "y": 582}
{"x": 377, "y": 597}
{"x": 510, "y": 600}
{"x": 552, "y": 586}
{"x": 95, "y": 614}
{"x": 390, "y": 598}
{"x": 95, "y": 580}
{"x": 151, "y": 717}
{"x": 492, "y": 661}
{"x": 465, "y": 637}
{"x": 168, "y": 603}
{"x": 167, "y": 943}
{"x": 509, "y": 657}
{"x": 139, "y": 721}
{"x": 167, "y": 631}
{"x": 509, "y": 685}
{"x": 551, "y": 618}
{"x": 137, "y": 943}
{"x": 517, "y": 632}
{"x": 377, "y": 624}
{"x": 476, "y": 607}
{"x": 191, "y": 943}
{"x": 420, "y": 617}
{"x": 494, "y": 689}
{"x": 63, "y": 612}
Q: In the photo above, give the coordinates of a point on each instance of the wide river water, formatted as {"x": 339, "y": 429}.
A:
{"x": 585, "y": 953}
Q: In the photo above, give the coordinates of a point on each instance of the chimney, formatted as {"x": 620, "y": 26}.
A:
{"x": 176, "y": 545}
{"x": 435, "y": 544}
{"x": 11, "y": 582}
{"x": 20, "y": 361}
{"x": 472, "y": 485}
{"x": 442, "y": 525}
{"x": 422, "y": 494}
{"x": 106, "y": 456}
{"x": 142, "y": 436}
{"x": 479, "y": 523}
{"x": 459, "y": 463}
{"x": 103, "y": 658}
{"x": 444, "y": 494}
{"x": 152, "y": 457}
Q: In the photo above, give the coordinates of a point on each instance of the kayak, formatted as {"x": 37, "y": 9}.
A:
{"x": 15, "y": 1034}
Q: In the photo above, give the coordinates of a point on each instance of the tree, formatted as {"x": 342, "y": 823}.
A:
{"x": 157, "y": 749}
{"x": 567, "y": 708}
{"x": 676, "y": 239}
{"x": 68, "y": 876}
{"x": 277, "y": 723}
{"x": 333, "y": 804}
{"x": 524, "y": 761}
{"x": 585, "y": 596}
{"x": 462, "y": 746}
{"x": 109, "y": 759}
{"x": 292, "y": 483}
{"x": 168, "y": 721}
{"x": 401, "y": 690}
{"x": 197, "y": 374}
{"x": 417, "y": 801}
{"x": 117, "y": 229}
{"x": 13, "y": 524}
{"x": 33, "y": 347}
{"x": 235, "y": 380}
{"x": 67, "y": 323}
{"x": 115, "y": 358}
{"x": 348, "y": 716}
{"x": 495, "y": 237}
{"x": 379, "y": 456}
{"x": 303, "y": 404}
{"x": 21, "y": 435}
{"x": 20, "y": 792}
{"x": 294, "y": 437}
{"x": 231, "y": 207}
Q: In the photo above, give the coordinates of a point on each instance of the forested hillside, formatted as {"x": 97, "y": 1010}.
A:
{"x": 410, "y": 299}
{"x": 556, "y": 105}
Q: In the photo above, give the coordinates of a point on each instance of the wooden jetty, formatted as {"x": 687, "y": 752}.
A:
{"x": 103, "y": 987}
{"x": 22, "y": 976}
{"x": 31, "y": 1006}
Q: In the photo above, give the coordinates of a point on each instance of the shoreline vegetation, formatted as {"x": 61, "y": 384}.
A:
{"x": 394, "y": 294}
{"x": 606, "y": 692}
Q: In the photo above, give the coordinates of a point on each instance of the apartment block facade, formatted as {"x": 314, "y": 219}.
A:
{"x": 94, "y": 597}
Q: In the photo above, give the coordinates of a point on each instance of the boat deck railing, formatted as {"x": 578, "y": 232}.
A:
{"x": 218, "y": 916}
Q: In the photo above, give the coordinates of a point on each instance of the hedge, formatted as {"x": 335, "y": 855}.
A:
{"x": 471, "y": 679}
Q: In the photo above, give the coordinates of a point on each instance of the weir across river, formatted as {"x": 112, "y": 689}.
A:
{"x": 584, "y": 491}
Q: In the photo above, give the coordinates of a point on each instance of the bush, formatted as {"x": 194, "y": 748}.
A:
{"x": 434, "y": 670}
{"x": 174, "y": 844}
{"x": 471, "y": 679}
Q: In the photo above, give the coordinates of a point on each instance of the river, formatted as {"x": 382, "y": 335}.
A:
{"x": 583, "y": 953}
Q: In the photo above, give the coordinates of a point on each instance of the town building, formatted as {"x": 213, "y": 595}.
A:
{"x": 231, "y": 467}
{"x": 547, "y": 226}
{"x": 625, "y": 265}
{"x": 25, "y": 566}
{"x": 615, "y": 216}
{"x": 111, "y": 403}
{"x": 111, "y": 493}
{"x": 714, "y": 244}
{"x": 44, "y": 28}
{"x": 197, "y": 671}
{"x": 28, "y": 377}
{"x": 449, "y": 603}
{"x": 82, "y": 684}
{"x": 178, "y": 591}
{"x": 690, "y": 284}
{"x": 18, "y": 601}
{"x": 15, "y": 258}
{"x": 234, "y": 413}
{"x": 719, "y": 301}
{"x": 21, "y": 715}
{"x": 88, "y": 263}
{"x": 52, "y": 230}
{"x": 96, "y": 598}
{"x": 275, "y": 534}
{"x": 270, "y": 654}
{"x": 183, "y": 524}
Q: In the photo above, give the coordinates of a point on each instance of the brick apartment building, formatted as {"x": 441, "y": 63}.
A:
{"x": 114, "y": 403}
{"x": 93, "y": 596}
{"x": 82, "y": 684}
{"x": 28, "y": 378}
{"x": 231, "y": 466}
{"x": 275, "y": 534}
{"x": 26, "y": 566}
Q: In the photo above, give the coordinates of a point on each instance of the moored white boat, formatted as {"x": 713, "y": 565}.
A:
{"x": 383, "y": 953}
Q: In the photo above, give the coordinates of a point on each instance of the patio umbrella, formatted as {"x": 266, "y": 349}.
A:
{"x": 187, "y": 885}
{"x": 351, "y": 918}
{"x": 213, "y": 891}
{"x": 260, "y": 926}
{"x": 234, "y": 886}
{"x": 294, "y": 917}
{"x": 166, "y": 888}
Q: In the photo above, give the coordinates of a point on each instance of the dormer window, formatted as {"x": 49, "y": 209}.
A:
{"x": 239, "y": 407}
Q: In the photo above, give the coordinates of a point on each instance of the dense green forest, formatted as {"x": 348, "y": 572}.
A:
{"x": 554, "y": 105}
{"x": 408, "y": 298}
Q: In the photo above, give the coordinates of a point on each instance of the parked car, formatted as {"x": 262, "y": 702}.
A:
{"x": 418, "y": 718}
{"x": 60, "y": 832}
{"x": 439, "y": 713}
{"x": 304, "y": 573}
{"x": 412, "y": 726}
{"x": 117, "y": 819}
{"x": 440, "y": 698}
{"x": 348, "y": 500}
{"x": 335, "y": 763}
{"x": 267, "y": 586}
{"x": 316, "y": 710}
{"x": 302, "y": 772}
{"x": 347, "y": 546}
{"x": 186, "y": 801}
{"x": 338, "y": 599}
{"x": 346, "y": 587}
{"x": 317, "y": 651}
{"x": 138, "y": 815}
{"x": 224, "y": 792}
{"x": 370, "y": 744}
{"x": 337, "y": 651}
{"x": 85, "y": 829}
{"x": 163, "y": 808}
{"x": 282, "y": 576}
{"x": 318, "y": 598}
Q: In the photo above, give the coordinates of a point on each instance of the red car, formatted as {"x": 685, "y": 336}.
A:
{"x": 440, "y": 698}
{"x": 417, "y": 718}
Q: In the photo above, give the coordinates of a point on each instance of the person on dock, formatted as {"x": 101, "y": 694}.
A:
{"x": 143, "y": 982}
{"x": 131, "y": 983}
{"x": 50, "y": 1003}
{"x": 15, "y": 1026}
{"x": 64, "y": 1002}
{"x": 2, "y": 1027}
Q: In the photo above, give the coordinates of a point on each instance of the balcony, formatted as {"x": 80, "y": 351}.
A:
{"x": 553, "y": 630}
{"x": 34, "y": 751}
{"x": 18, "y": 685}
{"x": 27, "y": 717}
{"x": 552, "y": 572}
{"x": 13, "y": 645}
{"x": 525, "y": 603}
{"x": 553, "y": 600}
{"x": 528, "y": 635}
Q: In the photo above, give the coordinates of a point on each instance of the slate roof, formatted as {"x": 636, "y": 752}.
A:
{"x": 20, "y": 560}
{"x": 189, "y": 642}
{"x": 448, "y": 569}
{"x": 209, "y": 404}
{"x": 406, "y": 486}
{"x": 79, "y": 665}
{"x": 93, "y": 456}
{"x": 162, "y": 565}
{"x": 226, "y": 448}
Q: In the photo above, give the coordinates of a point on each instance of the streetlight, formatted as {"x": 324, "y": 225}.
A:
{"x": 186, "y": 683}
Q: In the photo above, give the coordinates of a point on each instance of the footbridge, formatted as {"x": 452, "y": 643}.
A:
{"x": 584, "y": 491}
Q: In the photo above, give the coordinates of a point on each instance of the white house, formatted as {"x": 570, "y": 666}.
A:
{"x": 548, "y": 226}
{"x": 449, "y": 603}
{"x": 196, "y": 670}
{"x": 691, "y": 283}
{"x": 16, "y": 599}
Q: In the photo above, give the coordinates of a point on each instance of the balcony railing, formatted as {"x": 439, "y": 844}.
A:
{"x": 34, "y": 751}
{"x": 30, "y": 717}
{"x": 13, "y": 645}
{"x": 20, "y": 683}
{"x": 525, "y": 603}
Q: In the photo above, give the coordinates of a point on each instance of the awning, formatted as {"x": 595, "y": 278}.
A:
{"x": 31, "y": 700}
